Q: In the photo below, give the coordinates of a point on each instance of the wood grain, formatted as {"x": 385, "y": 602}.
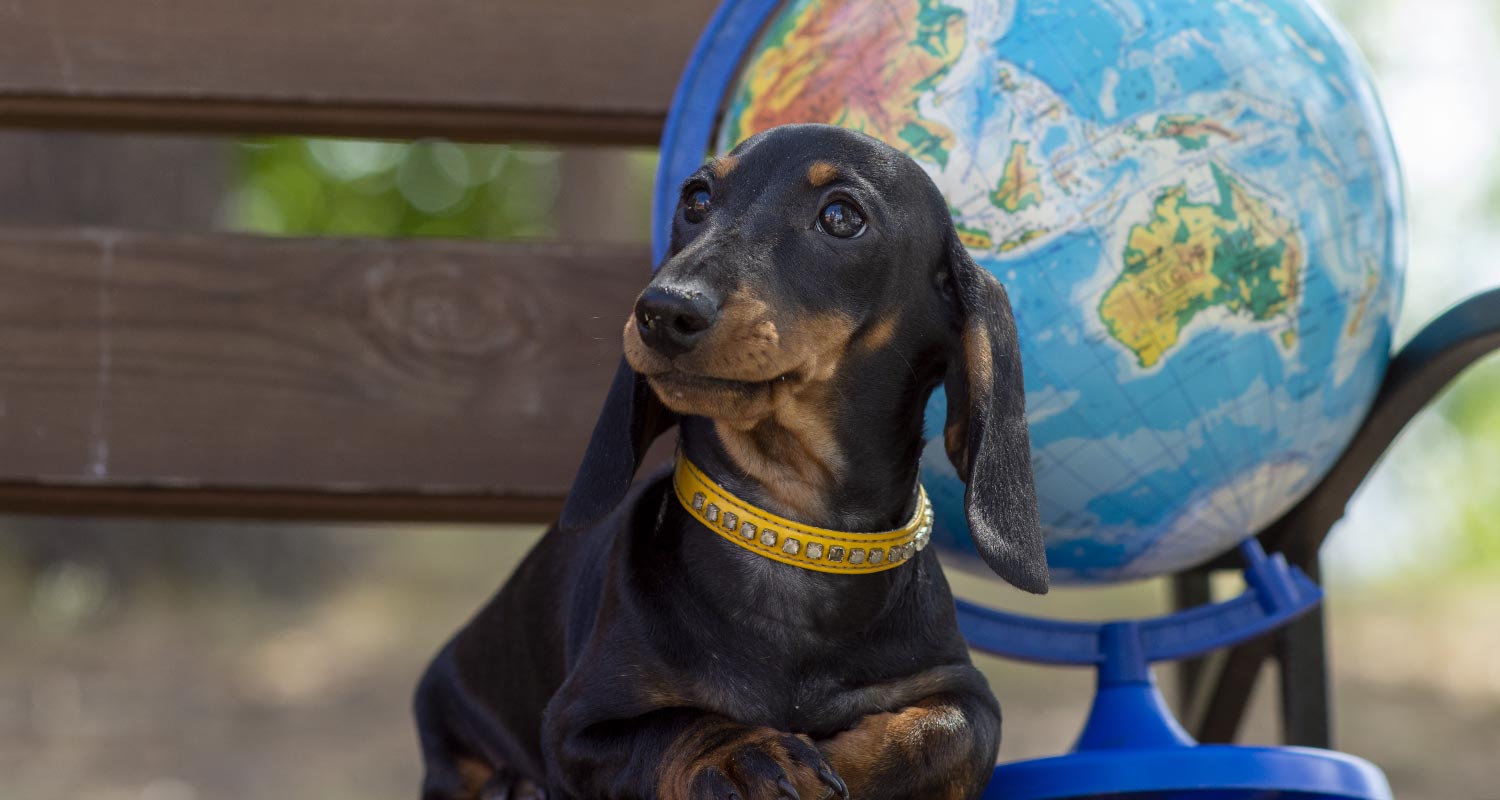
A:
{"x": 130, "y": 181}
{"x": 243, "y": 366}
{"x": 561, "y": 70}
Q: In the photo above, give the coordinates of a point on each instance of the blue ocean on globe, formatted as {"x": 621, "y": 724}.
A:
{"x": 1196, "y": 210}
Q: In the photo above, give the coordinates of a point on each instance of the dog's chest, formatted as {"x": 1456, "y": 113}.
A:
{"x": 786, "y": 679}
{"x": 776, "y": 698}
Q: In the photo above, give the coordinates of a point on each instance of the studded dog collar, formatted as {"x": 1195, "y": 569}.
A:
{"x": 781, "y": 539}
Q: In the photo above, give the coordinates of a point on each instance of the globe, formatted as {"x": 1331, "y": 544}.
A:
{"x": 1196, "y": 210}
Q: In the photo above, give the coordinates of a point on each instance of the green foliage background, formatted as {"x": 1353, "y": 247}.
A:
{"x": 307, "y": 187}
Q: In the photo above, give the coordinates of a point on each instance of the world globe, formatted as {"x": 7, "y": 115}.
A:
{"x": 1196, "y": 209}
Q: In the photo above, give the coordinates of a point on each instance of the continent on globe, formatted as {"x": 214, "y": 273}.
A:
{"x": 1020, "y": 187}
{"x": 972, "y": 238}
{"x": 802, "y": 73}
{"x": 1023, "y": 238}
{"x": 1236, "y": 254}
{"x": 1372, "y": 282}
{"x": 1190, "y": 131}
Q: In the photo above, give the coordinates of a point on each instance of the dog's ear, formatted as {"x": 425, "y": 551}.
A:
{"x": 631, "y": 420}
{"x": 985, "y": 434}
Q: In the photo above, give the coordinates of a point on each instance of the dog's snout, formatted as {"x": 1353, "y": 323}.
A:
{"x": 672, "y": 320}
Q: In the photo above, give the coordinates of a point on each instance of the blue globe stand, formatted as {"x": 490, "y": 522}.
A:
{"x": 1131, "y": 746}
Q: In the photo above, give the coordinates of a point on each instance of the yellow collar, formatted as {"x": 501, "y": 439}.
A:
{"x": 781, "y": 539}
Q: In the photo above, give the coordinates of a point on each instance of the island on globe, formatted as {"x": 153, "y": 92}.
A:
{"x": 1195, "y": 208}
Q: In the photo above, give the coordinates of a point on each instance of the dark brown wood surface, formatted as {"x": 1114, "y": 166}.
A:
{"x": 121, "y": 181}
{"x": 434, "y": 375}
{"x": 559, "y": 70}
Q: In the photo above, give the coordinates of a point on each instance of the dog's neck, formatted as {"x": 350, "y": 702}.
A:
{"x": 860, "y": 475}
{"x": 869, "y": 487}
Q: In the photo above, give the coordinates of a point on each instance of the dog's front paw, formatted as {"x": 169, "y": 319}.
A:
{"x": 758, "y": 764}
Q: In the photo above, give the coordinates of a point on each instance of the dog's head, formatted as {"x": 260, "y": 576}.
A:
{"x": 814, "y": 258}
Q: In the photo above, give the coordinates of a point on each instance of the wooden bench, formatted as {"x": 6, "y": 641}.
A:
{"x": 152, "y": 373}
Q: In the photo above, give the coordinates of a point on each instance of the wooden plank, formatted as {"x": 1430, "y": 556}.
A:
{"x": 1301, "y": 652}
{"x": 133, "y": 181}
{"x": 563, "y": 70}
{"x": 466, "y": 371}
{"x": 1225, "y": 684}
{"x": 301, "y": 506}
{"x": 1190, "y": 590}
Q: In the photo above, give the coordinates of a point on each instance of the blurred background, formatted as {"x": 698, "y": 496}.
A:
{"x": 174, "y": 660}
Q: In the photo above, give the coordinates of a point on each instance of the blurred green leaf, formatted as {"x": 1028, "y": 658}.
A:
{"x": 344, "y": 187}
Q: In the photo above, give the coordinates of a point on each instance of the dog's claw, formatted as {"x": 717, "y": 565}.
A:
{"x": 787, "y": 789}
{"x": 833, "y": 781}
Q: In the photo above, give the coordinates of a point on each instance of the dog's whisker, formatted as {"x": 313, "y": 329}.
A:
{"x": 907, "y": 361}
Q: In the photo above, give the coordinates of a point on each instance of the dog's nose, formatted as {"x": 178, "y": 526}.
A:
{"x": 672, "y": 320}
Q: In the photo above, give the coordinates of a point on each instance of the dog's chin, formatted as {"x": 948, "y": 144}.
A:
{"x": 734, "y": 402}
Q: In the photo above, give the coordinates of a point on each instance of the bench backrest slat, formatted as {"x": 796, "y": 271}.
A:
{"x": 558, "y": 70}
{"x": 246, "y": 364}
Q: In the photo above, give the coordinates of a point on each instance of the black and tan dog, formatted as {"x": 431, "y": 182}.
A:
{"x": 696, "y": 636}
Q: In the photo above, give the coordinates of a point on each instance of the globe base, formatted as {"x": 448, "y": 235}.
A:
{"x": 1202, "y": 772}
{"x": 1132, "y": 747}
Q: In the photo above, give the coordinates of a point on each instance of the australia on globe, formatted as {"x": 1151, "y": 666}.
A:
{"x": 1195, "y": 208}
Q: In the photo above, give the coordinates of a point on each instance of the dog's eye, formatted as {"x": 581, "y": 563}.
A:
{"x": 695, "y": 203}
{"x": 841, "y": 219}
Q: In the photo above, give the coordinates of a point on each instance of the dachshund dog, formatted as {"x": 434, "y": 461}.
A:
{"x": 815, "y": 294}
